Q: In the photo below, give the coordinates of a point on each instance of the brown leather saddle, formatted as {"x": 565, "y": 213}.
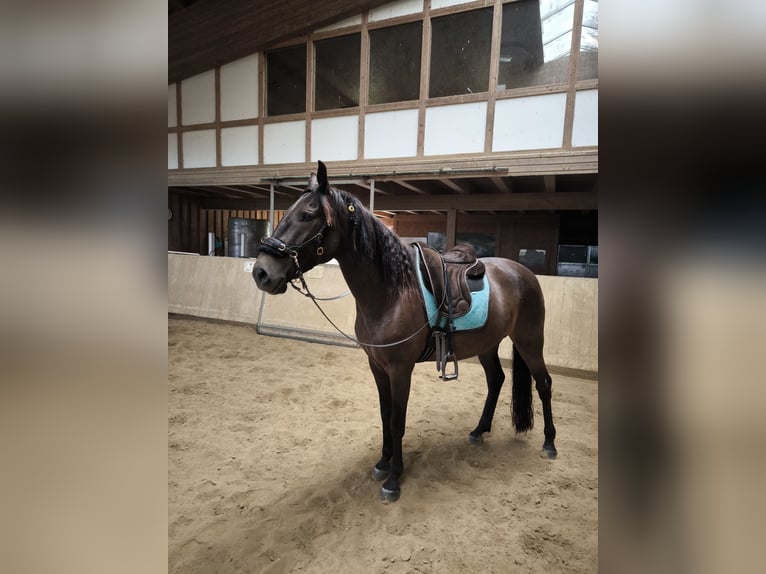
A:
{"x": 450, "y": 278}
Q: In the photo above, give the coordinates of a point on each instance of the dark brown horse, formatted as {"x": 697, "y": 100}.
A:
{"x": 327, "y": 223}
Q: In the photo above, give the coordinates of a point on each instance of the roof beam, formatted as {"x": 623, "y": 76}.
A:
{"x": 501, "y": 185}
{"x": 452, "y": 185}
{"x": 407, "y": 185}
{"x": 480, "y": 202}
{"x": 491, "y": 202}
{"x": 549, "y": 181}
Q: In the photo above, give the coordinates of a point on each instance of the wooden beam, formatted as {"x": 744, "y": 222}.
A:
{"x": 367, "y": 186}
{"x": 481, "y": 202}
{"x": 245, "y": 192}
{"x": 501, "y": 185}
{"x": 491, "y": 202}
{"x": 452, "y": 185}
{"x": 397, "y": 170}
{"x": 280, "y": 203}
{"x": 411, "y": 187}
{"x": 550, "y": 183}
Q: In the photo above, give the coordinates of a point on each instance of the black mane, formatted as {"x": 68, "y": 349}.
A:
{"x": 374, "y": 241}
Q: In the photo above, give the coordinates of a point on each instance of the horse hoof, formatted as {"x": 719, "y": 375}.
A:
{"x": 389, "y": 495}
{"x": 549, "y": 453}
{"x": 472, "y": 439}
{"x": 378, "y": 474}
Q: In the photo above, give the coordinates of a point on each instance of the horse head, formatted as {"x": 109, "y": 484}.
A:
{"x": 306, "y": 237}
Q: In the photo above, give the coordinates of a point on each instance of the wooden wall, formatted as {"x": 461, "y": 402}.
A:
{"x": 511, "y": 232}
{"x": 188, "y": 229}
{"x": 183, "y": 228}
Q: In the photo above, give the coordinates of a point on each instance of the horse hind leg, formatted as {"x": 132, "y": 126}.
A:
{"x": 528, "y": 359}
{"x": 493, "y": 370}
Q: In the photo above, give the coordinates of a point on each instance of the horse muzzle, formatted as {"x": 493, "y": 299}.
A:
{"x": 269, "y": 280}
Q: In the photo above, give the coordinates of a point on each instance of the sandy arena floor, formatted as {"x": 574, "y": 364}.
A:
{"x": 271, "y": 445}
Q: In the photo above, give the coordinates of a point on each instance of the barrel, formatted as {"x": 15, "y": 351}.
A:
{"x": 252, "y": 229}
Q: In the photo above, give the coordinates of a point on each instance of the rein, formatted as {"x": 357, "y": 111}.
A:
{"x": 278, "y": 248}
{"x": 306, "y": 292}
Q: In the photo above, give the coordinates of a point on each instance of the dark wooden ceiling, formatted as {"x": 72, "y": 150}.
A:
{"x": 554, "y": 193}
{"x": 203, "y": 34}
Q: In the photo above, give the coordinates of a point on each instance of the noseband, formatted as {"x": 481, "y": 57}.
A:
{"x": 278, "y": 248}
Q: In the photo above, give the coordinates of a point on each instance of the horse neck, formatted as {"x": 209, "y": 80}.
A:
{"x": 365, "y": 280}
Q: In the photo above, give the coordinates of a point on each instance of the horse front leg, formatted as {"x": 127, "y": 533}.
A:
{"x": 383, "y": 466}
{"x": 399, "y": 379}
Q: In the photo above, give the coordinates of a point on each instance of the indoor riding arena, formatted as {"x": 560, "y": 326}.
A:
{"x": 451, "y": 122}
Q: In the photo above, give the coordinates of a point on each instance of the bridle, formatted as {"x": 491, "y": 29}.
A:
{"x": 278, "y": 248}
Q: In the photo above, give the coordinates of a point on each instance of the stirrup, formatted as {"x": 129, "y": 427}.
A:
{"x": 443, "y": 354}
{"x": 449, "y": 376}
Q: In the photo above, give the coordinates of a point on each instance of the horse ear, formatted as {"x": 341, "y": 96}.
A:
{"x": 322, "y": 177}
{"x": 313, "y": 182}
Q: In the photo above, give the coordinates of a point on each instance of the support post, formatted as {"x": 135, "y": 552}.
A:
{"x": 271, "y": 209}
{"x": 451, "y": 228}
{"x": 372, "y": 196}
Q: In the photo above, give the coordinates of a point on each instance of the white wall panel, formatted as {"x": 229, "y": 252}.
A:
{"x": 585, "y": 127}
{"x": 239, "y": 146}
{"x": 455, "y": 129}
{"x": 284, "y": 142}
{"x": 198, "y": 99}
{"x": 395, "y": 9}
{"x": 533, "y": 122}
{"x": 391, "y": 134}
{"x": 352, "y": 21}
{"x": 335, "y": 139}
{"x": 172, "y": 151}
{"x": 239, "y": 89}
{"x": 172, "y": 109}
{"x": 199, "y": 148}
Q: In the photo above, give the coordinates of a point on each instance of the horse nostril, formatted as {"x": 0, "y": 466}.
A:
{"x": 260, "y": 275}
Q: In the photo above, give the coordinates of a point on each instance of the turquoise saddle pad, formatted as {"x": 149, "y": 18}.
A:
{"x": 474, "y": 319}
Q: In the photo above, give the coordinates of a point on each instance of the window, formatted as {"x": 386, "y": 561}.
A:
{"x": 578, "y": 261}
{"x": 395, "y": 63}
{"x": 286, "y": 80}
{"x": 587, "y": 66}
{"x": 337, "y": 72}
{"x": 573, "y": 253}
{"x": 593, "y": 255}
{"x": 534, "y": 259}
{"x": 535, "y": 43}
{"x": 460, "y": 49}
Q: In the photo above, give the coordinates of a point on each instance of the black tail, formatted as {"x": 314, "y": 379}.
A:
{"x": 521, "y": 397}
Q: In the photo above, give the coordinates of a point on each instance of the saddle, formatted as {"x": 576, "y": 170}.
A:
{"x": 450, "y": 278}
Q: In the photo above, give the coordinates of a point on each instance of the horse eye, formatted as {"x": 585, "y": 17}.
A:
{"x": 307, "y": 216}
